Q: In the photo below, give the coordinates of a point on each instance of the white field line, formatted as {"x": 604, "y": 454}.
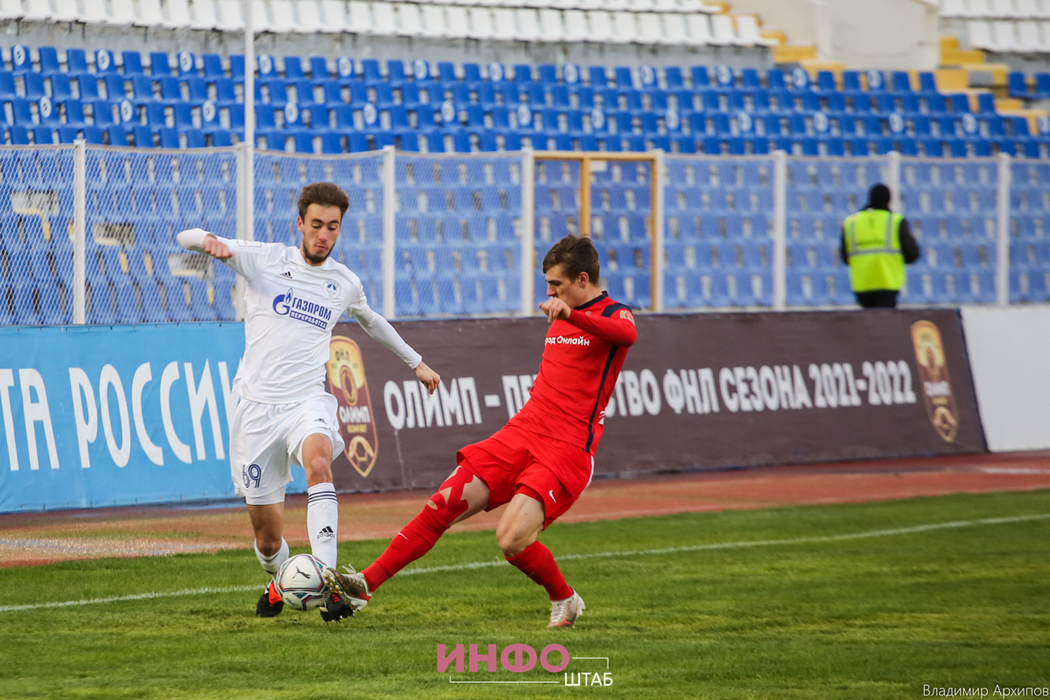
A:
{"x": 869, "y": 534}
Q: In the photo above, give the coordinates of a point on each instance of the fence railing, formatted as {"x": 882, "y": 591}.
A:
{"x": 87, "y": 233}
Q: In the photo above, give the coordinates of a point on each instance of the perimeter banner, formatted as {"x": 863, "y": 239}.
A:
{"x": 697, "y": 392}
{"x": 116, "y": 415}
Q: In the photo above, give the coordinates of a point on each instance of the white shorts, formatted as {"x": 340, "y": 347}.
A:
{"x": 267, "y": 439}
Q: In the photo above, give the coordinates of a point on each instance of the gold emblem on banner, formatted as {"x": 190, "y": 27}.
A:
{"x": 934, "y": 380}
{"x": 347, "y": 382}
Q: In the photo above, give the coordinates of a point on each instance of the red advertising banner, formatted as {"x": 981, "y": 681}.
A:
{"x": 696, "y": 392}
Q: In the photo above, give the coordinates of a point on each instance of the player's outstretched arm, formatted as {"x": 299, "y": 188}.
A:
{"x": 380, "y": 329}
{"x": 200, "y": 241}
{"x": 618, "y": 329}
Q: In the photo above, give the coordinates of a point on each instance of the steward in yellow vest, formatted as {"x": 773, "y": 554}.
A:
{"x": 876, "y": 244}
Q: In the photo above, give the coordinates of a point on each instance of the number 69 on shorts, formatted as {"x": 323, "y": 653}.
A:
{"x": 251, "y": 473}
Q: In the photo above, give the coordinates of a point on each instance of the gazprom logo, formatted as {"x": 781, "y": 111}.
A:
{"x": 282, "y": 303}
{"x": 288, "y": 304}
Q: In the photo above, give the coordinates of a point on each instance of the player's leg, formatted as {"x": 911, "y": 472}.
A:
{"x": 316, "y": 438}
{"x": 516, "y": 535}
{"x": 322, "y": 508}
{"x": 547, "y": 487}
{"x": 259, "y": 472}
{"x": 460, "y": 496}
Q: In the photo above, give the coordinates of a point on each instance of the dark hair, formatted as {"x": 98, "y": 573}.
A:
{"x": 327, "y": 194}
{"x": 575, "y": 254}
{"x": 879, "y": 197}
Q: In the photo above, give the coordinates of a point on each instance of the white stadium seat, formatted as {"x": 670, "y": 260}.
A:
{"x": 674, "y": 29}
{"x": 202, "y": 14}
{"x": 457, "y": 21}
{"x": 953, "y": 8}
{"x": 282, "y": 16}
{"x": 92, "y": 13}
{"x": 1028, "y": 39}
{"x": 504, "y": 27}
{"x": 601, "y": 29}
{"x": 748, "y": 32}
{"x": 176, "y": 14}
{"x": 383, "y": 20}
{"x": 980, "y": 34}
{"x": 551, "y": 26}
{"x": 722, "y": 30}
{"x": 1003, "y": 8}
{"x": 1045, "y": 27}
{"x": 480, "y": 23}
{"x": 1003, "y": 37}
{"x": 1042, "y": 9}
{"x": 978, "y": 8}
{"x": 229, "y": 15}
{"x": 150, "y": 14}
{"x": 433, "y": 21}
{"x": 575, "y": 25}
{"x": 65, "y": 11}
{"x": 408, "y": 21}
{"x": 360, "y": 21}
{"x": 650, "y": 29}
{"x": 1026, "y": 9}
{"x": 625, "y": 27}
{"x": 121, "y": 12}
{"x": 528, "y": 24}
{"x": 641, "y": 5}
{"x": 333, "y": 15}
{"x": 260, "y": 17}
{"x": 699, "y": 26}
{"x": 308, "y": 17}
{"x": 37, "y": 10}
{"x": 11, "y": 9}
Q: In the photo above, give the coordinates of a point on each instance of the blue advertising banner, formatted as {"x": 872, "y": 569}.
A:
{"x": 103, "y": 416}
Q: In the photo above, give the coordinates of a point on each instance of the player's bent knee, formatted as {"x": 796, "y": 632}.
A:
{"x": 451, "y": 499}
{"x": 513, "y": 542}
{"x": 268, "y": 547}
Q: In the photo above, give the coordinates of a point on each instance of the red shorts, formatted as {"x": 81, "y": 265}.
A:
{"x": 516, "y": 459}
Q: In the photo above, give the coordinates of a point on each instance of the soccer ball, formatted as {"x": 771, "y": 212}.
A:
{"x": 300, "y": 582}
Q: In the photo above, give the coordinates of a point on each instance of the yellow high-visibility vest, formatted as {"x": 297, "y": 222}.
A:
{"x": 873, "y": 248}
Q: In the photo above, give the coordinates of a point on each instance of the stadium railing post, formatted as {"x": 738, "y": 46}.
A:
{"x": 388, "y": 175}
{"x": 657, "y": 254}
{"x": 528, "y": 230}
{"x": 779, "y": 230}
{"x": 1002, "y": 210}
{"x": 893, "y": 179}
{"x": 246, "y": 212}
{"x": 79, "y": 231}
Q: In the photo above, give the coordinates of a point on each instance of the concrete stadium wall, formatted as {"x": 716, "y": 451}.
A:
{"x": 1009, "y": 353}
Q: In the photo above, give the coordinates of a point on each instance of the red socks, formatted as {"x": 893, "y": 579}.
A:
{"x": 414, "y": 540}
{"x": 537, "y": 562}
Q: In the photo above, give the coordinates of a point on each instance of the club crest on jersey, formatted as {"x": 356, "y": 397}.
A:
{"x": 289, "y": 305}
{"x": 331, "y": 288}
{"x": 347, "y": 382}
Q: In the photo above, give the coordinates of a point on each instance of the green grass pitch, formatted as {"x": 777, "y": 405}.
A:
{"x": 843, "y": 601}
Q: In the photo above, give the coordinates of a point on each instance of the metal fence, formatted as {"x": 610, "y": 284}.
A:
{"x": 87, "y": 234}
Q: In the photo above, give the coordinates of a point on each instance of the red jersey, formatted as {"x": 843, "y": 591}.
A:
{"x": 581, "y": 362}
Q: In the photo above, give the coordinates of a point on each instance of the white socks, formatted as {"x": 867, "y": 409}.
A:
{"x": 273, "y": 563}
{"x": 322, "y": 522}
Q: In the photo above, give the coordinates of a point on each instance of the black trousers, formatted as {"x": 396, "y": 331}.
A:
{"x": 878, "y": 299}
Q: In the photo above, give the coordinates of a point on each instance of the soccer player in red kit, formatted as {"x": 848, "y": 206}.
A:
{"x": 543, "y": 458}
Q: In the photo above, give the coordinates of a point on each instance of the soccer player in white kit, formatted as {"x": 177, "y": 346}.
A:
{"x": 294, "y": 298}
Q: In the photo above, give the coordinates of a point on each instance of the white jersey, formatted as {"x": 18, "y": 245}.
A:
{"x": 290, "y": 312}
